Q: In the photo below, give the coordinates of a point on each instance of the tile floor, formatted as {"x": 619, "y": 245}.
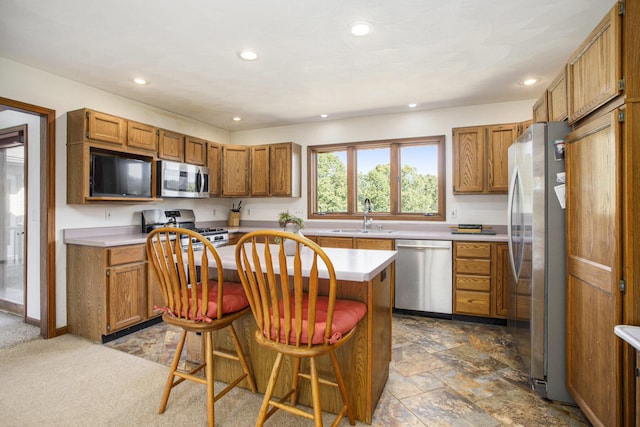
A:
{"x": 443, "y": 373}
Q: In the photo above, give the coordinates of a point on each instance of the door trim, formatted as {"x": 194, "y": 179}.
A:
{"x": 47, "y": 212}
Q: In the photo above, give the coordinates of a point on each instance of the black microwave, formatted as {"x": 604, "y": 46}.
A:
{"x": 112, "y": 175}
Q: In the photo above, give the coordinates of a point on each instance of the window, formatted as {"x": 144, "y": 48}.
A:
{"x": 403, "y": 179}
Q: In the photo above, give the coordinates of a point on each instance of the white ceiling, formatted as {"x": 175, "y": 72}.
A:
{"x": 437, "y": 53}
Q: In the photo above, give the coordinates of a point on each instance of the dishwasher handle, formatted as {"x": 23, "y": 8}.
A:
{"x": 422, "y": 247}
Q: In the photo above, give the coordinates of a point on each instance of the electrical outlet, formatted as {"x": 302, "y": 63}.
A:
{"x": 299, "y": 213}
{"x": 248, "y": 212}
{"x": 107, "y": 215}
{"x": 454, "y": 213}
{"x": 214, "y": 212}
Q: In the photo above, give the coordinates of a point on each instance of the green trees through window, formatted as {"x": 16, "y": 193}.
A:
{"x": 402, "y": 178}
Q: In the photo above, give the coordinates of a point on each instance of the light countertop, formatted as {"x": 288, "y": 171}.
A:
{"x": 131, "y": 235}
{"x": 356, "y": 265}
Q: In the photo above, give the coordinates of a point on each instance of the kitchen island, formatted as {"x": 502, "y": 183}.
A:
{"x": 363, "y": 275}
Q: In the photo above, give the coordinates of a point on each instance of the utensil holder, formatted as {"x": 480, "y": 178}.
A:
{"x": 234, "y": 219}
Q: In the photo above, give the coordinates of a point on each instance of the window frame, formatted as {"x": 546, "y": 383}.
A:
{"x": 394, "y": 145}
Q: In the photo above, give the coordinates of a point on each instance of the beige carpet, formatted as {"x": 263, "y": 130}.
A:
{"x": 13, "y": 330}
{"x": 68, "y": 381}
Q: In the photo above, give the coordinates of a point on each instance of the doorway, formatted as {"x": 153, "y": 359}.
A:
{"x": 13, "y": 283}
{"x": 38, "y": 235}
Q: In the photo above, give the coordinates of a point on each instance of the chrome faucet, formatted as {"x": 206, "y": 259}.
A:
{"x": 366, "y": 209}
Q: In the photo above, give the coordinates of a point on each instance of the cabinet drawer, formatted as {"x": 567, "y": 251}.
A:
{"x": 473, "y": 283}
{"x": 472, "y": 302}
{"x": 125, "y": 254}
{"x": 473, "y": 266}
{"x": 386, "y": 244}
{"x": 473, "y": 250}
{"x": 335, "y": 242}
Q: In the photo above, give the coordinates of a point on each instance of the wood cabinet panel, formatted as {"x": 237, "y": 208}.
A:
{"x": 473, "y": 250}
{"x": 472, "y": 283}
{"x": 500, "y": 294}
{"x": 125, "y": 254}
{"x": 473, "y": 303}
{"x": 557, "y": 97}
{"x": 594, "y": 70}
{"x": 105, "y": 128}
{"x": 260, "y": 170}
{"x": 127, "y": 290}
{"x": 235, "y": 170}
{"x": 195, "y": 151}
{"x": 214, "y": 159}
{"x": 541, "y": 109}
{"x": 366, "y": 243}
{"x": 499, "y": 139}
{"x": 285, "y": 169}
{"x": 142, "y": 136}
{"x": 469, "y": 160}
{"x": 335, "y": 242}
{"x": 170, "y": 146}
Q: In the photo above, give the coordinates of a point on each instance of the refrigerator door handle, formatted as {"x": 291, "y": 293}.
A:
{"x": 510, "y": 196}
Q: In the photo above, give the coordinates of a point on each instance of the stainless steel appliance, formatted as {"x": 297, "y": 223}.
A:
{"x": 424, "y": 276}
{"x": 182, "y": 180}
{"x": 185, "y": 218}
{"x": 536, "y": 228}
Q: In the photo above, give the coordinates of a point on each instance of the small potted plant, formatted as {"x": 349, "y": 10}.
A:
{"x": 290, "y": 222}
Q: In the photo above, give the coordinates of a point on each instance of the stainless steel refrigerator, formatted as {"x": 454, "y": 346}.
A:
{"x": 536, "y": 228}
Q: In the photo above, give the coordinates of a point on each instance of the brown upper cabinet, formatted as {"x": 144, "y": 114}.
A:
{"x": 541, "y": 109}
{"x": 214, "y": 163}
{"x": 195, "y": 151}
{"x": 285, "y": 169}
{"x": 594, "y": 71}
{"x": 235, "y": 170}
{"x": 557, "y": 97}
{"x": 170, "y": 146}
{"x": 480, "y": 158}
{"x": 102, "y": 127}
{"x": 142, "y": 136}
{"x": 276, "y": 170}
{"x": 260, "y": 170}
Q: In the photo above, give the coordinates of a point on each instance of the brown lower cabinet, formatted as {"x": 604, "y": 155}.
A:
{"x": 107, "y": 289}
{"x": 480, "y": 271}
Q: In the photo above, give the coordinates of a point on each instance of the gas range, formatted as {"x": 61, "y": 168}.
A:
{"x": 184, "y": 218}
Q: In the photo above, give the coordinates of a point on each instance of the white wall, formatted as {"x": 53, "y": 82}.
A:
{"x": 27, "y": 84}
{"x": 486, "y": 209}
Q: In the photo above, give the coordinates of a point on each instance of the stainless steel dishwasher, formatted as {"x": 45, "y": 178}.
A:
{"x": 424, "y": 276}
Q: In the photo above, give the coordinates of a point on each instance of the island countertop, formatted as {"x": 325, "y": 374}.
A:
{"x": 359, "y": 265}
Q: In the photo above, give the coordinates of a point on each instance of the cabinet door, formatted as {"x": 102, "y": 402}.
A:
{"x": 499, "y": 138}
{"x": 540, "y": 110}
{"x": 106, "y": 128}
{"x": 260, "y": 170}
{"x": 361, "y": 243}
{"x": 235, "y": 170}
{"x": 595, "y": 68}
{"x": 284, "y": 170}
{"x": 142, "y": 136}
{"x": 468, "y": 160}
{"x": 499, "y": 294}
{"x": 557, "y": 97}
{"x": 214, "y": 156}
{"x": 126, "y": 288}
{"x": 335, "y": 242}
{"x": 170, "y": 146}
{"x": 195, "y": 151}
{"x": 594, "y": 266}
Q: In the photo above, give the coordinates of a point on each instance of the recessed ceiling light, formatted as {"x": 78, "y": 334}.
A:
{"x": 361, "y": 28}
{"x": 140, "y": 81}
{"x": 324, "y": 116}
{"x": 529, "y": 82}
{"x": 237, "y": 119}
{"x": 413, "y": 105}
{"x": 248, "y": 55}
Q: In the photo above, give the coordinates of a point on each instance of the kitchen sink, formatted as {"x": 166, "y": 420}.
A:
{"x": 360, "y": 230}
